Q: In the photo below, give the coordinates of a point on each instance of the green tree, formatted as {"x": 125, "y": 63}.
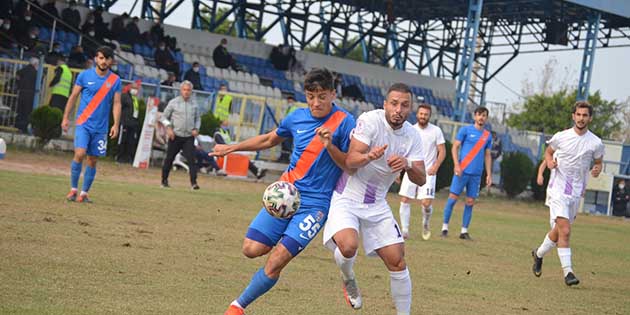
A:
{"x": 516, "y": 171}
{"x": 552, "y": 113}
{"x": 226, "y": 26}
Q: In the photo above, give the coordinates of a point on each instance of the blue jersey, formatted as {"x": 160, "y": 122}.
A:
{"x": 469, "y": 136}
{"x": 91, "y": 83}
{"x": 319, "y": 173}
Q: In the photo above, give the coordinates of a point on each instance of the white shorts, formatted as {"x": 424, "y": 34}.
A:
{"x": 410, "y": 190}
{"x": 562, "y": 206}
{"x": 374, "y": 222}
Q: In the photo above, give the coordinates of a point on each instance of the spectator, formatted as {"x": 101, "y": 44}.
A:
{"x": 88, "y": 24}
{"x": 54, "y": 54}
{"x": 90, "y": 43}
{"x": 77, "y": 57}
{"x": 156, "y": 33}
{"x": 46, "y": 20}
{"x": 182, "y": 120}
{"x": 205, "y": 162}
{"x": 61, "y": 85}
{"x": 172, "y": 78}
{"x": 621, "y": 196}
{"x": 164, "y": 59}
{"x": 281, "y": 57}
{"x": 193, "y": 76}
{"x": 6, "y": 10}
{"x": 100, "y": 27}
{"x": 118, "y": 26}
{"x": 32, "y": 45}
{"x": 223, "y": 136}
{"x": 89, "y": 63}
{"x": 130, "y": 125}
{"x": 223, "y": 104}
{"x": 132, "y": 33}
{"x": 287, "y": 145}
{"x": 26, "y": 78}
{"x": 7, "y": 35}
{"x": 496, "y": 150}
{"x": 222, "y": 58}
{"x": 23, "y": 25}
{"x": 71, "y": 16}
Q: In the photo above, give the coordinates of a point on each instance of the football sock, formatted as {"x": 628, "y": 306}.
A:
{"x": 258, "y": 286}
{"x": 401, "y": 290}
{"x": 444, "y": 226}
{"x": 448, "y": 210}
{"x": 464, "y": 230}
{"x": 426, "y": 214}
{"x": 405, "y": 215}
{"x": 88, "y": 178}
{"x": 565, "y": 260}
{"x": 75, "y": 173}
{"x": 545, "y": 247}
{"x": 467, "y": 216}
{"x": 345, "y": 264}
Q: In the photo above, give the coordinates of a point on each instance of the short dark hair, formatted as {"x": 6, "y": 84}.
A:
{"x": 425, "y": 106}
{"x": 290, "y": 97}
{"x": 195, "y": 64}
{"x": 481, "y": 110}
{"x": 399, "y": 87}
{"x": 107, "y": 52}
{"x": 319, "y": 78}
{"x": 583, "y": 104}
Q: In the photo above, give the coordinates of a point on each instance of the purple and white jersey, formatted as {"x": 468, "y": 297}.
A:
{"x": 371, "y": 182}
{"x": 574, "y": 155}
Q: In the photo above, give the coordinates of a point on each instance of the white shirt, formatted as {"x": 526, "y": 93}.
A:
{"x": 574, "y": 155}
{"x": 432, "y": 136}
{"x": 371, "y": 182}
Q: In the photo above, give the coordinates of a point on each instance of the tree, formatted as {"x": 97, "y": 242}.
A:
{"x": 552, "y": 113}
{"x": 226, "y": 26}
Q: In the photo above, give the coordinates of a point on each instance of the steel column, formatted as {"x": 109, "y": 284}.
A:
{"x": 588, "y": 57}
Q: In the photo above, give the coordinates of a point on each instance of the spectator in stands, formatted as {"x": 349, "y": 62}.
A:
{"x": 621, "y": 197}
{"x": 118, "y": 26}
{"x": 77, "y": 57}
{"x": 46, "y": 20}
{"x": 88, "y": 24}
{"x": 156, "y": 33}
{"x": 90, "y": 43}
{"x": 172, "y": 78}
{"x": 164, "y": 59}
{"x": 8, "y": 38}
{"x": 60, "y": 85}
{"x": 32, "y": 45}
{"x": 54, "y": 54}
{"x": 223, "y": 136}
{"x": 26, "y": 78}
{"x": 222, "y": 58}
{"x": 89, "y": 63}
{"x": 100, "y": 27}
{"x": 132, "y": 32}
{"x": 280, "y": 57}
{"x": 23, "y": 24}
{"x": 193, "y": 76}
{"x": 130, "y": 125}
{"x": 71, "y": 15}
{"x": 6, "y": 10}
{"x": 223, "y": 104}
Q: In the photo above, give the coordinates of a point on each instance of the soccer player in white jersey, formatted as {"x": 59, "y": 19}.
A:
{"x": 435, "y": 152}
{"x": 569, "y": 155}
{"x": 382, "y": 145}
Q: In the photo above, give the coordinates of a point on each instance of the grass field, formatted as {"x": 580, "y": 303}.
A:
{"x": 140, "y": 249}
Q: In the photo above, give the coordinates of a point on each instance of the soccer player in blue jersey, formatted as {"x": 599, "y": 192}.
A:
{"x": 321, "y": 136}
{"x": 475, "y": 143}
{"x": 99, "y": 88}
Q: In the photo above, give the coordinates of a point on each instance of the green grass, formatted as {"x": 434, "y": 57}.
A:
{"x": 140, "y": 249}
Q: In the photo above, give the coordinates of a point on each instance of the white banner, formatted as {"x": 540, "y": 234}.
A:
{"x": 143, "y": 151}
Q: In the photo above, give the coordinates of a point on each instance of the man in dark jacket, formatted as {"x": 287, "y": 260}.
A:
{"x": 164, "y": 59}
{"x": 71, "y": 15}
{"x": 222, "y": 58}
{"x": 193, "y": 76}
{"x": 129, "y": 124}
{"x": 26, "y": 78}
{"x": 620, "y": 199}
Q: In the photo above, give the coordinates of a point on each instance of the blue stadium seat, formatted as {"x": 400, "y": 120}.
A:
{"x": 44, "y": 34}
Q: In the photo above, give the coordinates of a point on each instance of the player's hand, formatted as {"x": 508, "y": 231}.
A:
{"x": 397, "y": 163}
{"x": 325, "y": 136}
{"x": 170, "y": 134}
{"x": 540, "y": 180}
{"x": 113, "y": 133}
{"x": 488, "y": 180}
{"x": 195, "y": 132}
{"x": 376, "y": 153}
{"x": 552, "y": 164}
{"x": 597, "y": 169}
{"x": 432, "y": 171}
{"x": 221, "y": 150}
{"x": 457, "y": 170}
{"x": 65, "y": 124}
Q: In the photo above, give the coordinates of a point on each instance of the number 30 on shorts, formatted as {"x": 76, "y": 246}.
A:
{"x": 310, "y": 226}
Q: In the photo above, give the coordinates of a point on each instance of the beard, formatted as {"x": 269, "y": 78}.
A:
{"x": 104, "y": 68}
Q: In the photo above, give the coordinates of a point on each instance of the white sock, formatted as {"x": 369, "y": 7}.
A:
{"x": 545, "y": 247}
{"x": 565, "y": 260}
{"x": 405, "y": 216}
{"x": 345, "y": 264}
{"x": 83, "y": 193}
{"x": 444, "y": 226}
{"x": 426, "y": 215}
{"x": 401, "y": 290}
{"x": 464, "y": 230}
{"x": 235, "y": 303}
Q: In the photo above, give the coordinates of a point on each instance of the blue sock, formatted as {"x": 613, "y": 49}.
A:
{"x": 448, "y": 210}
{"x": 88, "y": 178}
{"x": 75, "y": 173}
{"x": 259, "y": 285}
{"x": 467, "y": 216}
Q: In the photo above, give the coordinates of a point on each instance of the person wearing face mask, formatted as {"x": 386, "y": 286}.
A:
{"x": 164, "y": 59}
{"x": 54, "y": 54}
{"x": 193, "y": 76}
{"x": 32, "y": 45}
{"x": 130, "y": 124}
{"x": 621, "y": 196}
{"x": 51, "y": 8}
{"x": 89, "y": 44}
{"x": 88, "y": 24}
{"x": 222, "y": 58}
{"x": 7, "y": 35}
{"x": 60, "y": 85}
{"x": 118, "y": 26}
{"x": 22, "y": 26}
{"x": 132, "y": 32}
{"x": 71, "y": 15}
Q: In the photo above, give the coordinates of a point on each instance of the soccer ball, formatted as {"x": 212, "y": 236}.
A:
{"x": 281, "y": 199}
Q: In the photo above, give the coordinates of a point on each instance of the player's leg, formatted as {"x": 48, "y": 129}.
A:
{"x": 426, "y": 194}
{"x": 564, "y": 250}
{"x": 408, "y": 191}
{"x": 549, "y": 242}
{"x": 472, "y": 192}
{"x": 97, "y": 147}
{"x": 174, "y": 146}
{"x": 400, "y": 280}
{"x": 188, "y": 149}
{"x": 457, "y": 186}
{"x": 81, "y": 141}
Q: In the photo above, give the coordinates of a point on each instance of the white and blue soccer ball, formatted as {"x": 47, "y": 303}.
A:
{"x": 281, "y": 199}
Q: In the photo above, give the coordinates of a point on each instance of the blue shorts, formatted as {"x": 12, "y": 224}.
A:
{"x": 471, "y": 182}
{"x": 95, "y": 143}
{"x": 295, "y": 232}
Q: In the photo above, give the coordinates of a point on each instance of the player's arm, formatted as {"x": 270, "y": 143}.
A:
{"x": 549, "y": 161}
{"x": 488, "y": 162}
{"x": 72, "y": 99}
{"x": 113, "y": 132}
{"x": 359, "y": 154}
{"x": 597, "y": 167}
{"x": 441, "y": 148}
{"x": 257, "y": 143}
{"x": 540, "y": 178}
{"x": 455, "y": 155}
{"x": 338, "y": 156}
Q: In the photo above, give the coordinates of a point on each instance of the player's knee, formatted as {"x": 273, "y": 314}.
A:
{"x": 470, "y": 201}
{"x": 452, "y": 196}
{"x": 91, "y": 160}
{"x": 426, "y": 203}
{"x": 397, "y": 264}
{"x": 348, "y": 250}
{"x": 564, "y": 231}
{"x": 251, "y": 250}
